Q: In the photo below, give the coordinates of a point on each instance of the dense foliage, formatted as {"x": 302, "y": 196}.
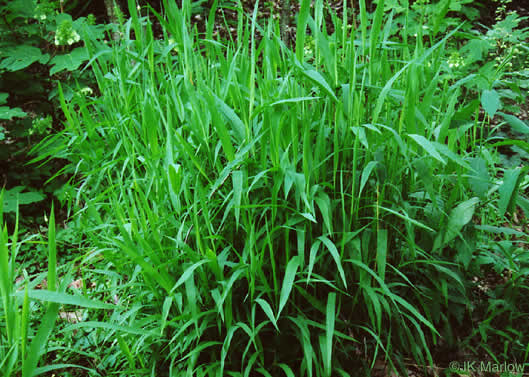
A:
{"x": 242, "y": 207}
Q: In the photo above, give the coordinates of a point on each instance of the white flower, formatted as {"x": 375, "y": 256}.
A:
{"x": 86, "y": 90}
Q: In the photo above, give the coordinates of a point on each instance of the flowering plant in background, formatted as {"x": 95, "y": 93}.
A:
{"x": 40, "y": 125}
{"x": 66, "y": 34}
{"x": 43, "y": 10}
{"x": 455, "y": 60}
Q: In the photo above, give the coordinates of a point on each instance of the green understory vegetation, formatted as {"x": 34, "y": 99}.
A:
{"x": 356, "y": 201}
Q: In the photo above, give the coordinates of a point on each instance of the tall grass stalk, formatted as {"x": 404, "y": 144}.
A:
{"x": 283, "y": 209}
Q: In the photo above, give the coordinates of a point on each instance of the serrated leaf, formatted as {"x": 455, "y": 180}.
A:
{"x": 490, "y": 100}
{"x": 70, "y": 61}
{"x": 476, "y": 49}
{"x": 23, "y": 56}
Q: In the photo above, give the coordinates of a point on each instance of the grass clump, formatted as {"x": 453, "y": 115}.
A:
{"x": 301, "y": 212}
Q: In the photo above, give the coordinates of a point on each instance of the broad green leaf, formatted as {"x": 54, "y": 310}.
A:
{"x": 516, "y": 123}
{"x": 324, "y": 203}
{"x": 382, "y": 250}
{"x": 288, "y": 283}
{"x": 14, "y": 195}
{"x": 165, "y": 312}
{"x": 264, "y": 372}
{"x": 11, "y": 112}
{"x": 365, "y": 175}
{"x": 312, "y": 258}
{"x": 308, "y": 352}
{"x": 188, "y": 272}
{"x": 509, "y": 189}
{"x": 175, "y": 177}
{"x": 479, "y": 180}
{"x": 268, "y": 311}
{"x": 519, "y": 143}
{"x": 309, "y": 217}
{"x": 476, "y": 48}
{"x": 490, "y": 100}
{"x": 287, "y": 370}
{"x": 335, "y": 255}
{"x": 428, "y": 146}
{"x": 226, "y": 345}
{"x": 22, "y": 56}
{"x": 459, "y": 217}
{"x": 3, "y": 98}
{"x": 238, "y": 126}
{"x": 500, "y": 230}
{"x": 317, "y": 78}
{"x": 237, "y": 178}
{"x": 447, "y": 152}
{"x": 413, "y": 311}
{"x": 303, "y": 15}
{"x": 70, "y": 61}
{"x": 406, "y": 217}
{"x": 372, "y": 301}
{"x": 330, "y": 318}
{"x": 220, "y": 126}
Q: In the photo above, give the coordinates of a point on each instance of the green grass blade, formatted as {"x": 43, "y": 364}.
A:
{"x": 288, "y": 283}
{"x": 268, "y": 311}
{"x": 335, "y": 255}
{"x": 39, "y": 342}
{"x": 304, "y": 13}
{"x": 54, "y": 297}
{"x": 428, "y": 147}
{"x": 382, "y": 251}
{"x": 52, "y": 253}
{"x": 330, "y": 318}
